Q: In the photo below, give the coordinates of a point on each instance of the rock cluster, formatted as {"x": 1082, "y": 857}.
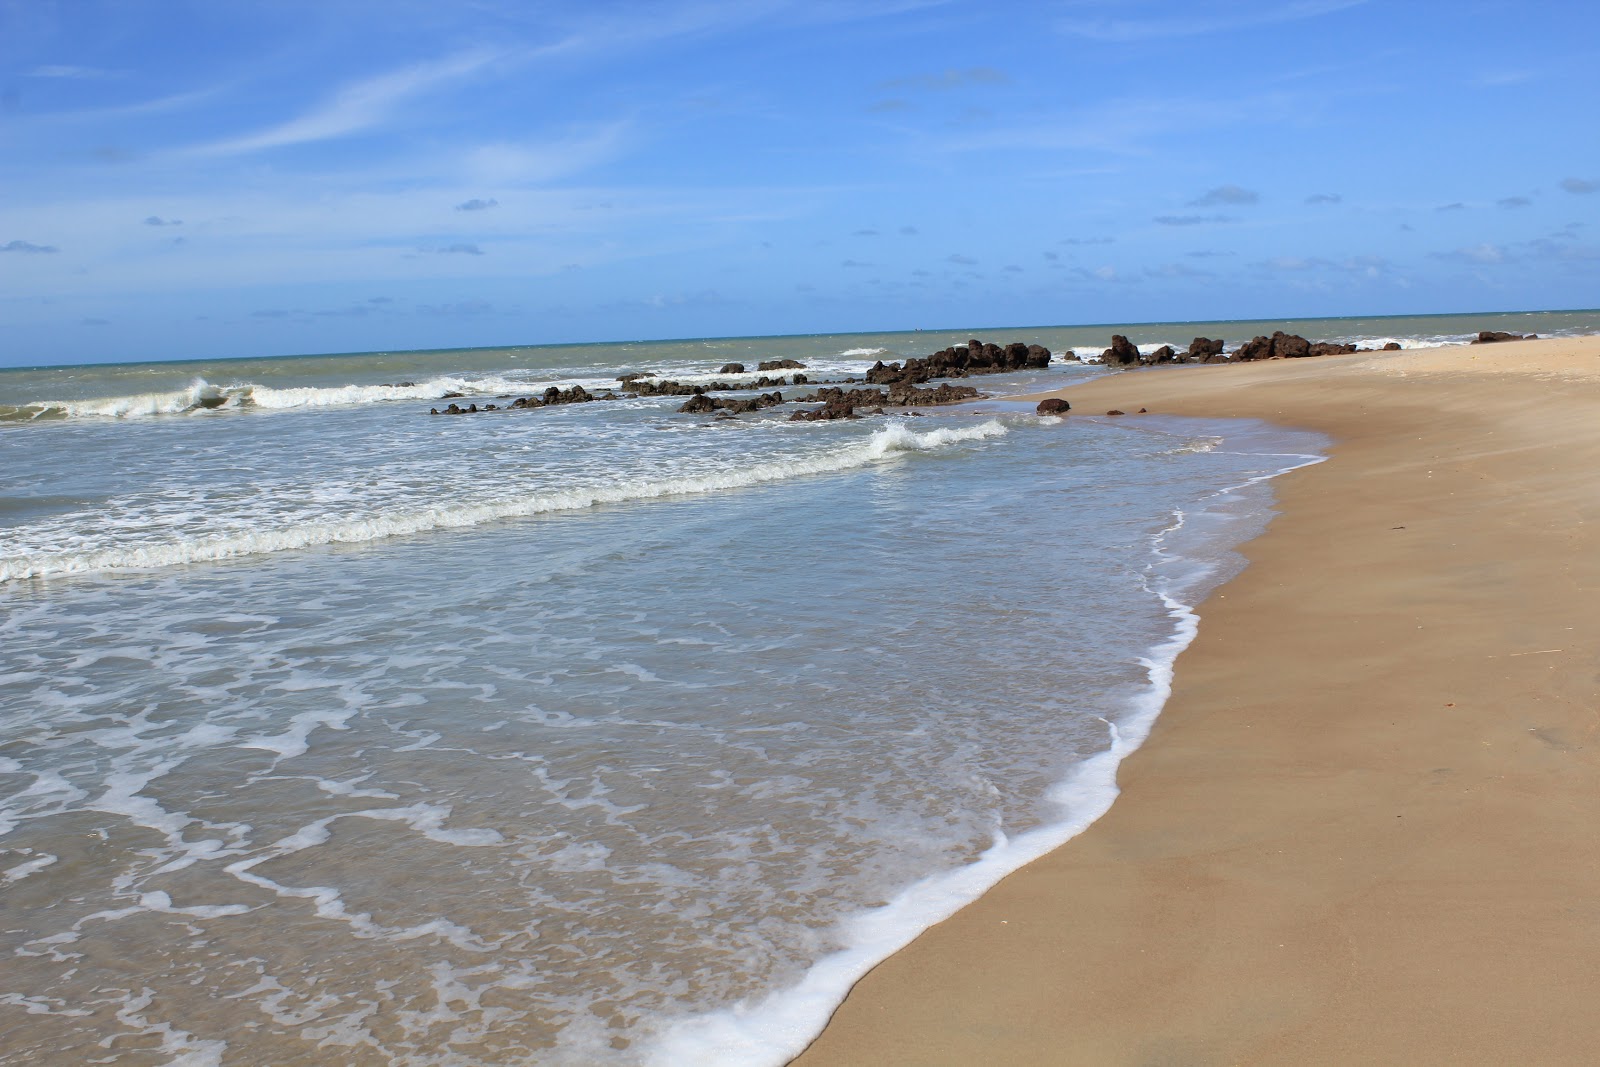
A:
{"x": 667, "y": 387}
{"x": 959, "y": 362}
{"x": 1489, "y": 337}
{"x": 841, "y": 403}
{"x": 701, "y": 404}
{"x": 780, "y": 364}
{"x": 833, "y": 409}
{"x": 551, "y": 397}
{"x": 1288, "y": 346}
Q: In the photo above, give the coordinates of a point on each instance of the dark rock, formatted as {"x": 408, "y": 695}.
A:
{"x": 1164, "y": 354}
{"x": 1392, "y": 346}
{"x": 635, "y": 376}
{"x": 1289, "y": 345}
{"x": 1204, "y": 350}
{"x": 1331, "y": 348}
{"x": 1122, "y": 353}
{"x": 781, "y": 364}
{"x": 1114, "y": 411}
{"x": 731, "y": 368}
{"x": 958, "y": 362}
{"x": 833, "y": 409}
{"x": 1256, "y": 348}
{"x": 1489, "y": 337}
{"x": 452, "y": 396}
{"x": 701, "y": 404}
{"x": 1053, "y": 406}
{"x": 902, "y": 395}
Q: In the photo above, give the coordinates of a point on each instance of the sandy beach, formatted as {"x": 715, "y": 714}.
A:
{"x": 1364, "y": 829}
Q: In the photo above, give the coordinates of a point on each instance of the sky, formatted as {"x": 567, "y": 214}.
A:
{"x": 212, "y": 178}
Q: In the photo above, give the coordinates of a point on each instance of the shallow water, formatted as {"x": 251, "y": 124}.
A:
{"x": 346, "y": 733}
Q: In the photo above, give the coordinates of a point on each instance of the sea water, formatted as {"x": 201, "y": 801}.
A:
{"x": 333, "y": 731}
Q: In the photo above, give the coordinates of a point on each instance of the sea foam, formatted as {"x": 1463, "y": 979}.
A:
{"x": 893, "y": 439}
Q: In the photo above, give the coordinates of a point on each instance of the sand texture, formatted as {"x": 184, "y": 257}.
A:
{"x": 1366, "y": 828}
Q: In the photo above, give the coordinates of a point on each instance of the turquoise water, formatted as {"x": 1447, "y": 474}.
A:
{"x": 334, "y": 731}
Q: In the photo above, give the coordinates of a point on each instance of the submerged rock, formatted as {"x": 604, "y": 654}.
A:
{"x": 1489, "y": 337}
{"x": 732, "y": 368}
{"x": 780, "y": 364}
{"x": 1052, "y": 406}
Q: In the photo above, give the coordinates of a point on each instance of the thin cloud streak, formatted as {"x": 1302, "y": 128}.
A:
{"x": 358, "y": 106}
{"x": 1128, "y": 30}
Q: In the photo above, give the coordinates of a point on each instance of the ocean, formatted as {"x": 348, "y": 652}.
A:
{"x": 333, "y": 731}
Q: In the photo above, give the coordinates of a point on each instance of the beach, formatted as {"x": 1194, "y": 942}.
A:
{"x": 1362, "y": 829}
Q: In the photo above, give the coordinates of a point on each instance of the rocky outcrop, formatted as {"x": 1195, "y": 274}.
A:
{"x": 1164, "y": 354}
{"x": 906, "y": 396}
{"x": 833, "y": 409}
{"x": 898, "y": 395}
{"x": 668, "y": 387}
{"x": 628, "y": 379}
{"x": 701, "y": 404}
{"x": 1052, "y": 406}
{"x": 1490, "y": 337}
{"x": 731, "y": 368}
{"x": 1288, "y": 346}
{"x": 1122, "y": 353}
{"x": 551, "y": 397}
{"x": 780, "y": 364}
{"x": 1204, "y": 350}
{"x": 1392, "y": 346}
{"x": 959, "y": 361}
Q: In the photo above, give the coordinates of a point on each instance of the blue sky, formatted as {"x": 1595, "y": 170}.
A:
{"x": 231, "y": 178}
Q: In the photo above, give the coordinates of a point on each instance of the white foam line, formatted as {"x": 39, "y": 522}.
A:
{"x": 891, "y": 440}
{"x": 780, "y": 1026}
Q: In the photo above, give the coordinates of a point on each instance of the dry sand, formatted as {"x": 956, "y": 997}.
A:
{"x": 1366, "y": 828}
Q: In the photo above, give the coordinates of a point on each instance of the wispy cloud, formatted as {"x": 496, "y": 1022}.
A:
{"x": 62, "y": 71}
{"x": 477, "y": 205}
{"x": 1225, "y": 194}
{"x": 1479, "y": 254}
{"x": 460, "y": 249}
{"x": 950, "y": 79}
{"x": 1191, "y": 220}
{"x": 28, "y": 248}
{"x": 1324, "y": 198}
{"x": 1204, "y": 22}
{"x": 1580, "y": 186}
{"x": 157, "y": 220}
{"x": 358, "y": 106}
{"x": 1514, "y": 201}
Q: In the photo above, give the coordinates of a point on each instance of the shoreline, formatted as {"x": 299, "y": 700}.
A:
{"x": 1360, "y": 829}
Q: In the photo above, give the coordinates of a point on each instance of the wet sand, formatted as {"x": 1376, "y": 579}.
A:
{"x": 1366, "y": 828}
